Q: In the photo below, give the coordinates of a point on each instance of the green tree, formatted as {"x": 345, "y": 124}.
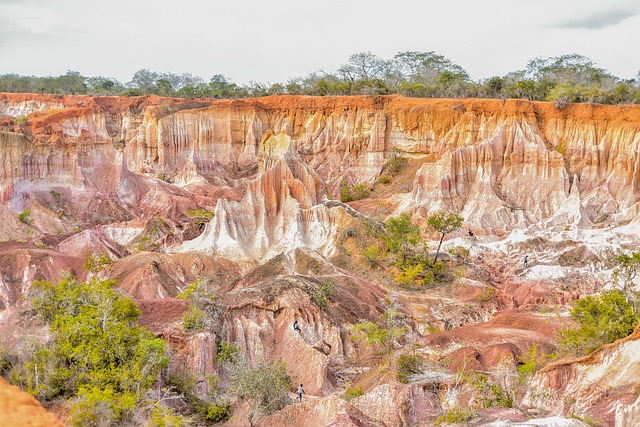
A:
{"x": 264, "y": 384}
{"x": 401, "y": 233}
{"x": 444, "y": 223}
{"x": 601, "y": 319}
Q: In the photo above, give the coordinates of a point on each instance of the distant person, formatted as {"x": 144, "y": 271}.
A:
{"x": 526, "y": 260}
{"x": 295, "y": 326}
{"x": 300, "y": 391}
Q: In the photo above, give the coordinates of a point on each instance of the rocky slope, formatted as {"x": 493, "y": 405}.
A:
{"x": 239, "y": 192}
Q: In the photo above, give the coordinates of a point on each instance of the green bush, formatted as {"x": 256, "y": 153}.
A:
{"x": 486, "y": 295}
{"x": 491, "y": 394}
{"x": 20, "y": 121}
{"x": 349, "y": 194}
{"x": 352, "y": 392}
{"x": 227, "y": 352}
{"x": 396, "y": 161}
{"x": 401, "y": 233}
{"x": 456, "y": 415}
{"x": 407, "y": 366}
{"x": 25, "y": 217}
{"x": 359, "y": 192}
{"x": 215, "y": 413}
{"x": 410, "y": 276}
{"x": 601, "y": 319}
{"x": 97, "y": 407}
{"x": 264, "y": 384}
{"x": 383, "y": 179}
{"x": 200, "y": 216}
{"x": 322, "y": 294}
{"x": 162, "y": 416}
{"x": 371, "y": 255}
{"x": 193, "y": 320}
{"x": 96, "y": 263}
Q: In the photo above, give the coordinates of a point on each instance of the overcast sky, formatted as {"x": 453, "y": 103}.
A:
{"x": 274, "y": 40}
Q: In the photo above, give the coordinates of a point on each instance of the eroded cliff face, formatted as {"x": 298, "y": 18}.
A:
{"x": 480, "y": 158}
{"x": 241, "y": 192}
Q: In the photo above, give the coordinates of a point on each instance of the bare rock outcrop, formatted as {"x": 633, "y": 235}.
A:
{"x": 18, "y": 408}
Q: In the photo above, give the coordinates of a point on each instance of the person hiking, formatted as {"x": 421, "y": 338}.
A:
{"x": 526, "y": 260}
{"x": 300, "y": 391}
{"x": 295, "y": 326}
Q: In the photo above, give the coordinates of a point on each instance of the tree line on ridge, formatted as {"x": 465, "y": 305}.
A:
{"x": 566, "y": 78}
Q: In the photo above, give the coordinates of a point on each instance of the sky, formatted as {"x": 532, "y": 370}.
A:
{"x": 271, "y": 41}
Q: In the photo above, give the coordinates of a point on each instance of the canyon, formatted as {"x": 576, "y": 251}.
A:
{"x": 245, "y": 195}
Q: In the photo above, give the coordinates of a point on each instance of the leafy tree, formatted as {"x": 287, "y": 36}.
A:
{"x": 624, "y": 276}
{"x": 264, "y": 384}
{"x": 401, "y": 232}
{"x": 444, "y": 223}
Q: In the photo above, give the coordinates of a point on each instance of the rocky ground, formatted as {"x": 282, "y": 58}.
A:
{"x": 244, "y": 194}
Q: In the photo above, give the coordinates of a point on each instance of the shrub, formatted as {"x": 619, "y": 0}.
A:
{"x": 96, "y": 263}
{"x": 373, "y": 334}
{"x": 371, "y": 255}
{"x": 383, "y": 179}
{"x": 227, "y": 352}
{"x": 407, "y": 366}
{"x": 162, "y": 416}
{"x": 456, "y": 415}
{"x": 215, "y": 413}
{"x": 200, "y": 216}
{"x": 400, "y": 232}
{"x": 352, "y": 392}
{"x": 491, "y": 394}
{"x": 410, "y": 276}
{"x": 97, "y": 407}
{"x": 345, "y": 194}
{"x": 396, "y": 161}
{"x": 20, "y": 121}
{"x": 349, "y": 194}
{"x": 322, "y": 294}
{"x": 25, "y": 217}
{"x": 359, "y": 192}
{"x": 193, "y": 320}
